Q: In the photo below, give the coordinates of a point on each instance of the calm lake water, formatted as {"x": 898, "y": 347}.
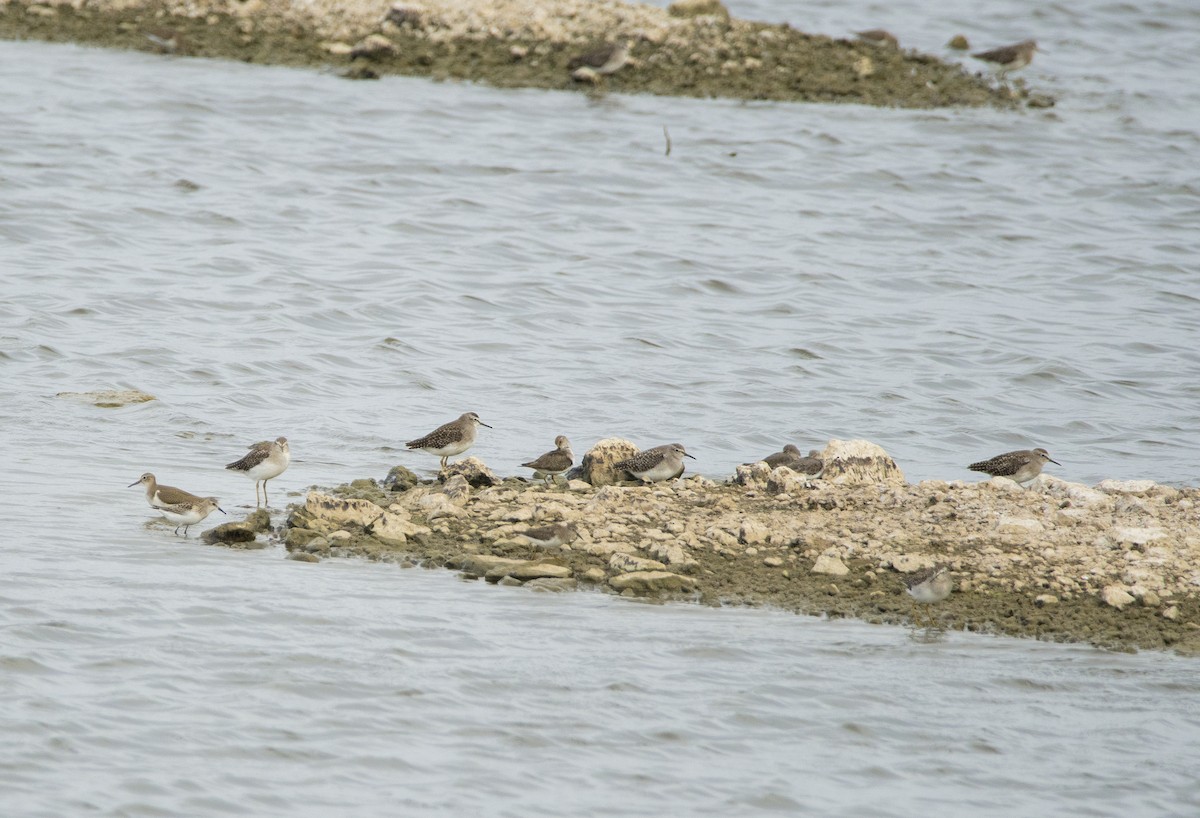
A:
{"x": 275, "y": 251}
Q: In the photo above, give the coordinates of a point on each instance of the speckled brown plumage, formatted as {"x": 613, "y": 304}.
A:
{"x": 1010, "y": 57}
{"x": 604, "y": 60}
{"x": 792, "y": 459}
{"x": 450, "y": 438}
{"x": 1022, "y": 465}
{"x": 658, "y": 463}
{"x": 554, "y": 462}
{"x": 159, "y": 496}
{"x": 930, "y": 584}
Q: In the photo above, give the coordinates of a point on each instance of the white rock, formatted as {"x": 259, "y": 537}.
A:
{"x": 1116, "y": 596}
{"x": 1079, "y": 494}
{"x": 1018, "y": 525}
{"x": 646, "y": 582}
{"x": 629, "y": 562}
{"x": 1003, "y": 484}
{"x": 752, "y": 532}
{"x": 604, "y": 549}
{"x": 858, "y": 462}
{"x": 1127, "y": 486}
{"x": 672, "y": 554}
{"x": 334, "y": 512}
{"x": 752, "y": 474}
{"x": 1133, "y": 535}
{"x": 828, "y": 564}
{"x": 539, "y": 570}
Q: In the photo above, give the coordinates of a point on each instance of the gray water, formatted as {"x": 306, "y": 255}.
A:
{"x": 274, "y": 251}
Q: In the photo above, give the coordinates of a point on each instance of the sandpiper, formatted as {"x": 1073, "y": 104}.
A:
{"x": 191, "y": 512}
{"x": 159, "y": 496}
{"x": 1020, "y": 466}
{"x": 606, "y": 60}
{"x": 551, "y": 536}
{"x": 553, "y": 463}
{"x": 791, "y": 457}
{"x": 264, "y": 461}
{"x": 450, "y": 438}
{"x": 930, "y": 584}
{"x": 1010, "y": 57}
{"x": 659, "y": 463}
{"x": 877, "y": 36}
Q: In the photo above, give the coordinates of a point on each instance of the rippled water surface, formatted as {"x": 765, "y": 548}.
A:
{"x": 274, "y": 251}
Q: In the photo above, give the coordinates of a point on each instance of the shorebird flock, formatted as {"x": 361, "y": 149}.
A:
{"x": 596, "y": 65}
{"x": 267, "y": 460}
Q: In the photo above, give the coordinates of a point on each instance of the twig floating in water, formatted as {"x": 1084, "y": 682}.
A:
{"x": 667, "y": 135}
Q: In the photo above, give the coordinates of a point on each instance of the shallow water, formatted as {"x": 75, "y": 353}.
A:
{"x": 272, "y": 251}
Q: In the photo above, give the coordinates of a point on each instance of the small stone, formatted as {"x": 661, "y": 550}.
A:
{"x": 552, "y": 584}
{"x": 752, "y": 474}
{"x": 674, "y": 555}
{"x": 828, "y": 564}
{"x": 400, "y": 478}
{"x": 959, "y": 43}
{"x": 1132, "y": 535}
{"x": 1116, "y": 596}
{"x": 859, "y": 463}
{"x": 595, "y": 575}
{"x": 304, "y": 557}
{"x": 539, "y": 570}
{"x": 299, "y": 537}
{"x": 1045, "y": 599}
{"x": 337, "y": 49}
{"x": 1022, "y": 526}
{"x": 752, "y": 532}
{"x": 237, "y": 533}
{"x": 698, "y": 8}
{"x": 511, "y": 582}
{"x": 483, "y": 564}
{"x": 626, "y": 563}
{"x": 597, "y": 465}
{"x": 373, "y": 47}
{"x": 651, "y": 582}
{"x": 394, "y": 527}
{"x": 473, "y": 470}
{"x": 773, "y": 562}
{"x": 1136, "y": 487}
{"x": 579, "y": 485}
{"x": 1171, "y": 613}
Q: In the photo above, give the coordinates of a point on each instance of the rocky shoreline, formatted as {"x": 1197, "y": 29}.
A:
{"x": 695, "y": 50}
{"x": 1117, "y": 565}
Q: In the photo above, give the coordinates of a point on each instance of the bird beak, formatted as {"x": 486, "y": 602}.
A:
{"x": 685, "y": 454}
{"x": 1055, "y": 462}
{"x": 134, "y": 483}
{"x": 222, "y": 510}
{"x": 481, "y": 423}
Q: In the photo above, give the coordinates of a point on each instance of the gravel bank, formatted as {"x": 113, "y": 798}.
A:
{"x": 521, "y": 44}
{"x": 1116, "y": 565}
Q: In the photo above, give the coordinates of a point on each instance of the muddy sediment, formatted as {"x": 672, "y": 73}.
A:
{"x": 521, "y": 44}
{"x": 1116, "y": 566}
